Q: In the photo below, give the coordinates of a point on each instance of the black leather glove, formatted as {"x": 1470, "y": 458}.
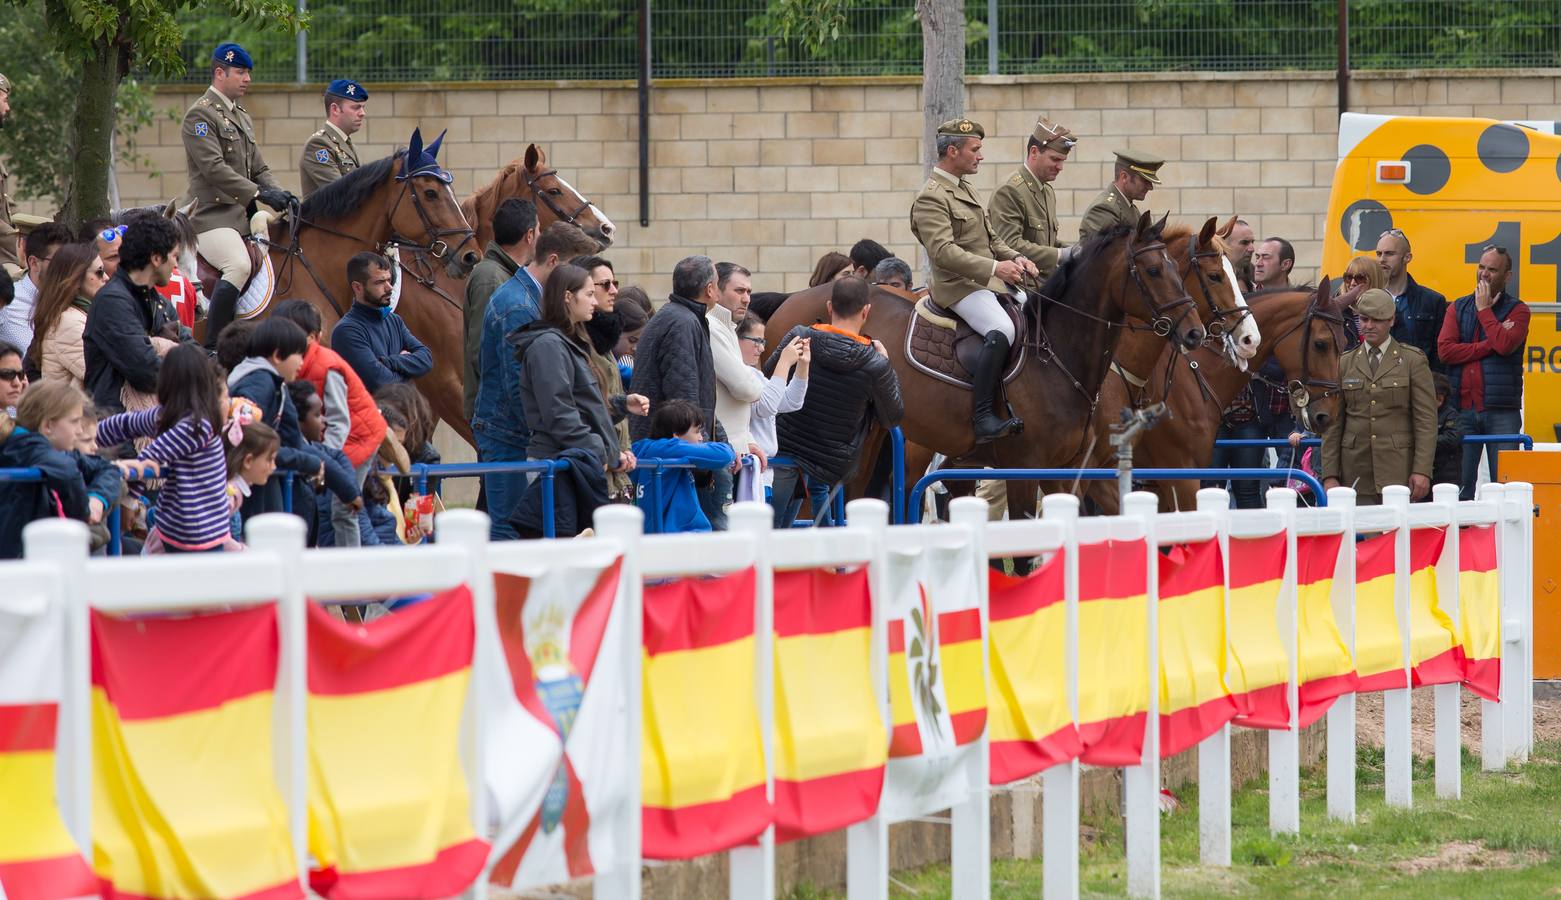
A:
{"x": 276, "y": 198}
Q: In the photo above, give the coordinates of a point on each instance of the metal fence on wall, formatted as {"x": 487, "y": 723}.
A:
{"x": 494, "y": 40}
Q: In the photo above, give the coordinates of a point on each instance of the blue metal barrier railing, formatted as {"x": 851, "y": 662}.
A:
{"x": 546, "y": 469}
{"x": 941, "y": 475}
{"x": 1282, "y": 443}
{"x": 35, "y": 476}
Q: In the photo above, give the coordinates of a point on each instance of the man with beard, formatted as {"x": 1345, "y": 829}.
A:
{"x": 372, "y": 338}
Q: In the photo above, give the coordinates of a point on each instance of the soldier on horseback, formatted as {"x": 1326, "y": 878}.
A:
{"x": 329, "y": 153}
{"x": 970, "y": 264}
{"x": 227, "y": 175}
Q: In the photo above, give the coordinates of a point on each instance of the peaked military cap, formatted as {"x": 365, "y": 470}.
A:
{"x": 1052, "y": 136}
{"x": 963, "y": 128}
{"x": 231, "y": 54}
{"x": 1376, "y": 304}
{"x": 347, "y": 89}
{"x": 1144, "y": 164}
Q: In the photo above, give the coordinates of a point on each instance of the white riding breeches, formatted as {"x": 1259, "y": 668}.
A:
{"x": 984, "y": 314}
{"x": 225, "y": 249}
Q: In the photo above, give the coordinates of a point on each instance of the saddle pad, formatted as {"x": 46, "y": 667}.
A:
{"x": 945, "y": 348}
{"x": 256, "y": 297}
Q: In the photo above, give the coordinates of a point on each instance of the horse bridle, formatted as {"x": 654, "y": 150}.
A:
{"x": 1216, "y": 324}
{"x": 1161, "y": 322}
{"x": 436, "y": 247}
{"x": 1300, "y": 391}
{"x": 547, "y": 199}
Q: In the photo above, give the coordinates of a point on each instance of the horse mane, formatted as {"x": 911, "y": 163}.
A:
{"x": 1260, "y": 293}
{"x": 483, "y": 200}
{"x": 1060, "y": 282}
{"x": 349, "y": 192}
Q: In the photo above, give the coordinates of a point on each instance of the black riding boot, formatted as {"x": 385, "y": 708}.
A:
{"x": 220, "y": 312}
{"x": 989, "y": 372}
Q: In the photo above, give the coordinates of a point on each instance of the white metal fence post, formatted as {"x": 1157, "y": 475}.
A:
{"x": 1341, "y": 716}
{"x": 1284, "y": 746}
{"x": 971, "y": 819}
{"x": 867, "y": 843}
{"x": 1214, "y": 750}
{"x": 1520, "y": 497}
{"x": 1396, "y": 748}
{"x": 1494, "y": 739}
{"x": 752, "y": 872}
{"x": 1060, "y": 783}
{"x": 1448, "y": 731}
{"x": 1143, "y": 780}
{"x": 625, "y": 524}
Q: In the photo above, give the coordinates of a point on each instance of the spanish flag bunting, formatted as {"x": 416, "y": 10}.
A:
{"x": 389, "y": 806}
{"x": 1435, "y": 655}
{"x": 950, "y": 673}
{"x": 1031, "y": 725}
{"x": 185, "y": 802}
{"x": 702, "y": 771}
{"x": 38, "y": 858}
{"x": 964, "y": 678}
{"x": 1194, "y": 702}
{"x": 559, "y": 632}
{"x": 1479, "y": 610}
{"x": 1260, "y": 663}
{"x": 904, "y": 733}
{"x": 1324, "y": 667}
{"x": 1113, "y": 652}
{"x": 1379, "y": 648}
{"x": 830, "y": 745}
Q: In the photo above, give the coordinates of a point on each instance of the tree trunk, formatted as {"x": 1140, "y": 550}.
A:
{"x": 92, "y": 136}
{"x": 942, "y": 68}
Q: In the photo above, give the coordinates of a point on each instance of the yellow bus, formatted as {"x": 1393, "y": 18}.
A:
{"x": 1455, "y": 186}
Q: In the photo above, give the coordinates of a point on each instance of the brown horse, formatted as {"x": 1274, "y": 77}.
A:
{"x": 1302, "y": 327}
{"x": 436, "y": 299}
{"x": 1072, "y": 327}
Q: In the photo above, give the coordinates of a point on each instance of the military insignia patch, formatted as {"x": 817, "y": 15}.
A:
{"x": 323, "y": 156}
{"x": 201, "y": 129}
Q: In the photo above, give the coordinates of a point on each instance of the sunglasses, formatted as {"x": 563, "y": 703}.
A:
{"x": 100, "y": 272}
{"x": 609, "y": 283}
{"x": 109, "y": 234}
{"x": 12, "y": 375}
{"x": 1355, "y": 279}
{"x": 757, "y": 342}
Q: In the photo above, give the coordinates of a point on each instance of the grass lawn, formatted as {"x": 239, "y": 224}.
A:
{"x": 1503, "y": 839}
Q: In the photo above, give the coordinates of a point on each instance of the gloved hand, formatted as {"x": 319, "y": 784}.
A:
{"x": 276, "y": 198}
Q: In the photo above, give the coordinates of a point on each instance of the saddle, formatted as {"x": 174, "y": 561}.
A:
{"x": 256, "y": 294}
{"x": 944, "y": 347}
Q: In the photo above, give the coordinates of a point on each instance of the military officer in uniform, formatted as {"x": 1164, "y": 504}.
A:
{"x": 329, "y": 153}
{"x": 1024, "y": 208}
{"x": 227, "y": 175}
{"x": 1385, "y": 432}
{"x": 970, "y": 264}
{"x": 9, "y": 252}
{"x": 1133, "y": 177}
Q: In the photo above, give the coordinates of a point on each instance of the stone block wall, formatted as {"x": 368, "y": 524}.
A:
{"x": 773, "y": 174}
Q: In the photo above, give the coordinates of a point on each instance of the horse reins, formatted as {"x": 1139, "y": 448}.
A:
{"x": 1300, "y": 390}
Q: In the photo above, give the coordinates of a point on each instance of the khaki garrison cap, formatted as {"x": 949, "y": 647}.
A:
{"x": 1376, "y": 304}
{"x": 1144, "y": 164}
{"x": 962, "y": 128}
{"x": 1052, "y": 136}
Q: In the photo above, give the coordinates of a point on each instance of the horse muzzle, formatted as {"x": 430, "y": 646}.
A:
{"x": 462, "y": 265}
{"x": 602, "y": 234}
{"x": 1192, "y": 339}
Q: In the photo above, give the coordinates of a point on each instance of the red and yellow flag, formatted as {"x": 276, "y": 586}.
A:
{"x": 1479, "y": 610}
{"x": 1031, "y": 725}
{"x": 1113, "y": 652}
{"x": 1324, "y": 667}
{"x": 1194, "y": 702}
{"x": 1379, "y": 648}
{"x": 389, "y": 806}
{"x": 38, "y": 859}
{"x": 702, "y": 771}
{"x": 830, "y": 746}
{"x": 958, "y": 675}
{"x": 185, "y": 802}
{"x": 1260, "y": 664}
{"x": 1435, "y": 656}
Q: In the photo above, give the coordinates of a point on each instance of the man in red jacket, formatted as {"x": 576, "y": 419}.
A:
{"x": 353, "y": 424}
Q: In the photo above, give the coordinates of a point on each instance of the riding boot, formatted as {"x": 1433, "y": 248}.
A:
{"x": 220, "y": 312}
{"x": 988, "y": 375}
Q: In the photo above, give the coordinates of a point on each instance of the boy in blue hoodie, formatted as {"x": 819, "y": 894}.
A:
{"x": 677, "y": 432}
{"x": 276, "y": 351}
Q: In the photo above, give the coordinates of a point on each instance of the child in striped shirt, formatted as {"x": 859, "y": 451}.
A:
{"x": 192, "y": 512}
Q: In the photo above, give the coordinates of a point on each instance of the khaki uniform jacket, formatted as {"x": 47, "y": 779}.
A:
{"x": 224, "y": 163}
{"x": 327, "y": 156}
{"x": 1110, "y": 208}
{"x": 953, "y": 228}
{"x": 9, "y": 236}
{"x": 1386, "y": 427}
{"x": 1024, "y": 215}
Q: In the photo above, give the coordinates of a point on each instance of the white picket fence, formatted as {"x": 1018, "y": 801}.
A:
{"x": 278, "y": 568}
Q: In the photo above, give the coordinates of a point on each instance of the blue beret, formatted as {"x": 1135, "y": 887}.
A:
{"x": 347, "y": 89}
{"x": 232, "y": 55}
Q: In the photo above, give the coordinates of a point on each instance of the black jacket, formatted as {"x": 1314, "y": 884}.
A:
{"x": 116, "y": 343}
{"x": 577, "y": 492}
{"x": 849, "y": 385}
{"x": 62, "y": 488}
{"x": 1419, "y": 321}
{"x": 1447, "y": 466}
{"x": 672, "y": 362}
{"x": 561, "y": 397}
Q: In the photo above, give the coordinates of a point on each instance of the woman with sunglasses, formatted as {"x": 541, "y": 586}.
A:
{"x": 73, "y": 279}
{"x": 1362, "y": 274}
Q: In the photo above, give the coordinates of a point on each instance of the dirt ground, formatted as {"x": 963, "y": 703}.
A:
{"x": 1368, "y": 720}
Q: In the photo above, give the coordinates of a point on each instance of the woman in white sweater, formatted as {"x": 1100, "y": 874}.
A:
{"x": 778, "y": 394}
